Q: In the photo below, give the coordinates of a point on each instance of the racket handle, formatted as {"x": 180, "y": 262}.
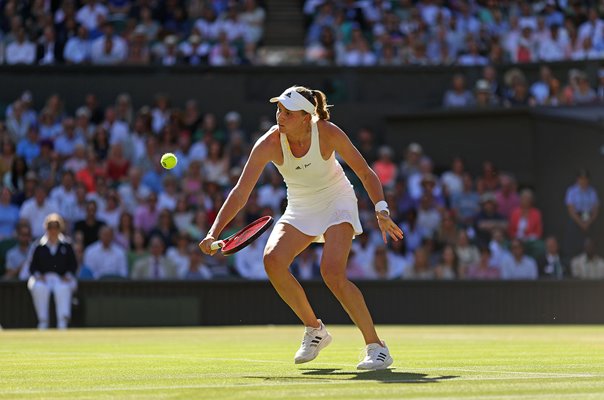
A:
{"x": 217, "y": 245}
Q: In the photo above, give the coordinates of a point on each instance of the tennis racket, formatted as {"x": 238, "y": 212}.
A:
{"x": 244, "y": 237}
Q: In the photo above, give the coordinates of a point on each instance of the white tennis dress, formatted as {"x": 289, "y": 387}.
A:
{"x": 319, "y": 194}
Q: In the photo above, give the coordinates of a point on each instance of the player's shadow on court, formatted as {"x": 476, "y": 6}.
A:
{"x": 336, "y": 374}
{"x": 384, "y": 376}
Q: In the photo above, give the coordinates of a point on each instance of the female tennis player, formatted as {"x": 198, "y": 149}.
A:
{"x": 322, "y": 207}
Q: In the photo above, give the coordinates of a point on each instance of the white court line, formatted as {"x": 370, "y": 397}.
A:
{"x": 250, "y": 360}
{"x": 302, "y": 381}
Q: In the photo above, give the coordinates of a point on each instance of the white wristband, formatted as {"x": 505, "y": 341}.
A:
{"x": 382, "y": 206}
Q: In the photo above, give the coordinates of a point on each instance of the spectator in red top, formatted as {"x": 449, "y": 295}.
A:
{"x": 117, "y": 164}
{"x": 88, "y": 175}
{"x": 385, "y": 169}
{"x": 525, "y": 224}
{"x": 506, "y": 196}
{"x": 525, "y": 220}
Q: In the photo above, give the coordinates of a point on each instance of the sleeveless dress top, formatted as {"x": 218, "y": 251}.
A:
{"x": 319, "y": 194}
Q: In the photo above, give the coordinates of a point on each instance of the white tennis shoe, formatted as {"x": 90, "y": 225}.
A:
{"x": 315, "y": 340}
{"x": 376, "y": 357}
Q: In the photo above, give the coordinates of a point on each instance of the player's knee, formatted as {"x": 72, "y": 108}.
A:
{"x": 273, "y": 262}
{"x": 334, "y": 280}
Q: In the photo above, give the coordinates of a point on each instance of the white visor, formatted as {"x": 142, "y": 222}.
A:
{"x": 294, "y": 101}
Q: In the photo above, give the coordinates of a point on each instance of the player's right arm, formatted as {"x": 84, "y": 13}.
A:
{"x": 264, "y": 150}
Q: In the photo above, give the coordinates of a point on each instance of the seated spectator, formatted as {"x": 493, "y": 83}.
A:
{"x": 53, "y": 268}
{"x": 91, "y": 14}
{"x": 364, "y": 251}
{"x": 169, "y": 195}
{"x": 458, "y": 95}
{"x": 179, "y": 253}
{"x": 109, "y": 49}
{"x": 452, "y": 180}
{"x": 466, "y": 204}
{"x": 588, "y": 265}
{"x": 421, "y": 269}
{"x": 448, "y": 268}
{"x": 17, "y": 256}
{"x": 156, "y": 265}
{"x": 146, "y": 215}
{"x": 78, "y": 48}
{"x": 9, "y": 214}
{"x": 488, "y": 219}
{"x": 584, "y": 93}
{"x": 483, "y": 268}
{"x": 104, "y": 258}
{"x": 413, "y": 234}
{"x": 21, "y": 50}
{"x": 49, "y": 48}
{"x": 196, "y": 267}
{"x": 36, "y": 209}
{"x": 165, "y": 228}
{"x": 248, "y": 261}
{"x": 124, "y": 230}
{"x": 384, "y": 168}
{"x": 551, "y": 265}
{"x": 525, "y": 223}
{"x": 29, "y": 146}
{"x": 90, "y": 225}
{"x": 271, "y": 194}
{"x": 519, "y": 266}
{"x": 447, "y": 233}
{"x": 467, "y": 253}
{"x": 428, "y": 216}
{"x": 306, "y": 266}
{"x": 112, "y": 212}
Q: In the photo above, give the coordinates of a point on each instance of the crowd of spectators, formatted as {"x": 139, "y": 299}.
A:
{"x": 452, "y": 32}
{"x": 98, "y": 168}
{"x": 132, "y": 32}
{"x": 516, "y": 90}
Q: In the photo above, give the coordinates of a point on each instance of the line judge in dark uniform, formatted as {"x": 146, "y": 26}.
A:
{"x": 53, "y": 268}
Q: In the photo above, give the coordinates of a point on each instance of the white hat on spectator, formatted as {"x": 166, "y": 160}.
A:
{"x": 488, "y": 196}
{"x": 170, "y": 40}
{"x": 415, "y": 148}
{"x": 232, "y": 116}
{"x": 482, "y": 85}
{"x": 385, "y": 151}
{"x": 195, "y": 39}
{"x": 26, "y": 96}
{"x": 82, "y": 112}
{"x": 140, "y": 30}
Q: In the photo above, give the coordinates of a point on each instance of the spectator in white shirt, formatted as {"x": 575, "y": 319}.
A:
{"x": 519, "y": 266}
{"x": 92, "y": 14}
{"x": 36, "y": 209}
{"x": 104, "y": 258}
{"x": 109, "y": 49}
{"x": 557, "y": 46}
{"x": 248, "y": 261}
{"x": 588, "y": 265}
{"x": 21, "y": 51}
{"x": 78, "y": 48}
{"x": 272, "y": 194}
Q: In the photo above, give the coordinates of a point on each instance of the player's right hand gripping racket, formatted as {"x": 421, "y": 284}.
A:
{"x": 244, "y": 237}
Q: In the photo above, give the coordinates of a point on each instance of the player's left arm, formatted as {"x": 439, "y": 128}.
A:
{"x": 339, "y": 141}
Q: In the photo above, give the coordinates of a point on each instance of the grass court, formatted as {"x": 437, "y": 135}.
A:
{"x": 430, "y": 362}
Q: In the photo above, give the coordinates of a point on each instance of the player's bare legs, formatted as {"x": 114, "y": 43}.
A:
{"x": 284, "y": 244}
{"x": 338, "y": 240}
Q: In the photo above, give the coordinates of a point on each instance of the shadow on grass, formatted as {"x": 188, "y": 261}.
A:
{"x": 336, "y": 374}
{"x": 385, "y": 375}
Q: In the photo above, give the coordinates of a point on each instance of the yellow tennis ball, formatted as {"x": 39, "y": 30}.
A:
{"x": 168, "y": 161}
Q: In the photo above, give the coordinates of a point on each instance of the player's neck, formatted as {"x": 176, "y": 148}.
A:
{"x": 299, "y": 136}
